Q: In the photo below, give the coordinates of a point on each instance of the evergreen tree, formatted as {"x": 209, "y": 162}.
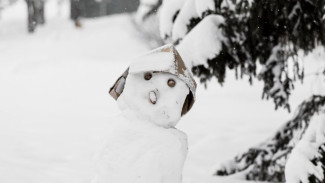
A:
{"x": 267, "y": 161}
{"x": 239, "y": 34}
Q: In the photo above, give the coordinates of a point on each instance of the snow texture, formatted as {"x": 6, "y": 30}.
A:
{"x": 148, "y": 2}
{"x": 162, "y": 61}
{"x": 142, "y": 11}
{"x": 229, "y": 4}
{"x": 318, "y": 85}
{"x": 299, "y": 166}
{"x": 203, "y": 6}
{"x": 267, "y": 161}
{"x": 275, "y": 65}
{"x": 3, "y": 4}
{"x": 169, "y": 9}
{"x": 145, "y": 8}
{"x": 180, "y": 28}
{"x": 167, "y": 110}
{"x": 141, "y": 152}
{"x": 196, "y": 49}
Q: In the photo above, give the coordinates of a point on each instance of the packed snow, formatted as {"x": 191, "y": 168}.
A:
{"x": 162, "y": 61}
{"x": 203, "y": 6}
{"x": 168, "y": 12}
{"x": 144, "y": 9}
{"x": 138, "y": 151}
{"x": 55, "y": 107}
{"x": 183, "y": 20}
{"x": 299, "y": 166}
{"x": 195, "y": 49}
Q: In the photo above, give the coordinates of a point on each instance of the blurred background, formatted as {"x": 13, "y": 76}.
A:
{"x": 58, "y": 59}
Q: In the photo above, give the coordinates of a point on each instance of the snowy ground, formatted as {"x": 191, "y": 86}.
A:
{"x": 54, "y": 104}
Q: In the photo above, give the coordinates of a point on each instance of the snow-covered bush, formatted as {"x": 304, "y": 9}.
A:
{"x": 215, "y": 35}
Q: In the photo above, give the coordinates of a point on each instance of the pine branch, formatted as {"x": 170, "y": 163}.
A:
{"x": 320, "y": 161}
{"x": 266, "y": 162}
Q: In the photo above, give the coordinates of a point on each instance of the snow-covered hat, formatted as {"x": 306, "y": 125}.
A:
{"x": 164, "y": 59}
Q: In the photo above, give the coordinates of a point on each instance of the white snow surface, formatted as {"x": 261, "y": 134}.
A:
{"x": 299, "y": 166}
{"x": 55, "y": 108}
{"x": 196, "y": 49}
{"x": 161, "y": 61}
{"x": 144, "y": 8}
{"x": 204, "y": 5}
{"x": 183, "y": 19}
{"x": 149, "y": 2}
{"x": 139, "y": 151}
{"x": 169, "y": 103}
{"x": 168, "y": 10}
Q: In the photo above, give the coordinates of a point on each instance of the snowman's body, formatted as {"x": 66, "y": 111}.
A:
{"x": 142, "y": 144}
{"x": 140, "y": 152}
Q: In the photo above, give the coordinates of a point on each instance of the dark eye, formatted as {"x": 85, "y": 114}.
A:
{"x": 147, "y": 76}
{"x": 171, "y": 83}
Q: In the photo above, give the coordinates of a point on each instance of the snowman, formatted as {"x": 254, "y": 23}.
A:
{"x": 142, "y": 143}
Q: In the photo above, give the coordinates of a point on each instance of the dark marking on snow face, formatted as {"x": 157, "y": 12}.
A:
{"x": 147, "y": 76}
{"x": 153, "y": 97}
{"x": 171, "y": 83}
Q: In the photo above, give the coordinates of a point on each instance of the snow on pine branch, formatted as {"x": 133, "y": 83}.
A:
{"x": 205, "y": 7}
{"x": 266, "y": 162}
{"x": 267, "y": 32}
{"x": 195, "y": 50}
{"x": 306, "y": 163}
{"x": 169, "y": 11}
{"x": 185, "y": 21}
{"x": 277, "y": 83}
{"x": 146, "y": 9}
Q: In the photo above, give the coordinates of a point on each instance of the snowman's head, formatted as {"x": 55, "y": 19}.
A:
{"x": 157, "y": 87}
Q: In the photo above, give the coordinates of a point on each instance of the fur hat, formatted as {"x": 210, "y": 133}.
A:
{"x": 164, "y": 59}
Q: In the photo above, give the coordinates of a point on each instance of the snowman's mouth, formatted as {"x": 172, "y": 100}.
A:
{"x": 153, "y": 97}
